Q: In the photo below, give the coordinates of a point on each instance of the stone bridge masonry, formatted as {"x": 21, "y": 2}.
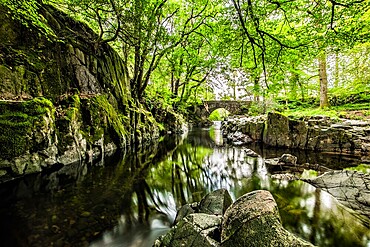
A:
{"x": 233, "y": 106}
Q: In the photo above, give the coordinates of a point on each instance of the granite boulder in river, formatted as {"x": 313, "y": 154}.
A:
{"x": 350, "y": 188}
{"x": 252, "y": 220}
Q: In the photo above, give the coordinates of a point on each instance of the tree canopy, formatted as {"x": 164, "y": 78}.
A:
{"x": 192, "y": 50}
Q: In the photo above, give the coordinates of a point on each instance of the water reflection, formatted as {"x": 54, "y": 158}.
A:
{"x": 198, "y": 166}
{"x": 129, "y": 201}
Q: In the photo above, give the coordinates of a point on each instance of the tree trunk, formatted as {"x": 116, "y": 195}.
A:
{"x": 323, "y": 81}
{"x": 293, "y": 81}
{"x": 256, "y": 87}
{"x": 234, "y": 90}
{"x": 336, "y": 72}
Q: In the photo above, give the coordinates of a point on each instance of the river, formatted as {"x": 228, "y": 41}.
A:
{"x": 131, "y": 198}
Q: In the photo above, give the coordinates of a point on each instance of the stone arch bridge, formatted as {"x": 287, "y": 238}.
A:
{"x": 235, "y": 107}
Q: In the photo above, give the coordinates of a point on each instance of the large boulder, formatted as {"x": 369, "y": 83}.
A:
{"x": 350, "y": 188}
{"x": 194, "y": 230}
{"x": 276, "y": 132}
{"x": 287, "y": 163}
{"x": 254, "y": 220}
{"x": 214, "y": 203}
{"x": 298, "y": 133}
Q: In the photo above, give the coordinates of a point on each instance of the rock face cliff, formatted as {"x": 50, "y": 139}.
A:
{"x": 63, "y": 99}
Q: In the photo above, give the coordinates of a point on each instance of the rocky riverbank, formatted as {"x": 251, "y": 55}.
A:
{"x": 318, "y": 133}
{"x": 252, "y": 220}
{"x": 65, "y": 99}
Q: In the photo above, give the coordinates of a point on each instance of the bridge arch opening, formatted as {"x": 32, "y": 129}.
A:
{"x": 218, "y": 114}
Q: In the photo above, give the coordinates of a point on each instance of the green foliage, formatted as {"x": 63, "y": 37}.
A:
{"x": 261, "y": 107}
{"x": 219, "y": 114}
{"x": 268, "y": 49}
{"x": 365, "y": 168}
{"x": 343, "y": 96}
{"x": 312, "y": 112}
{"x": 26, "y": 11}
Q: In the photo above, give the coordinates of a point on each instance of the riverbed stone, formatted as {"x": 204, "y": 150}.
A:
{"x": 215, "y": 202}
{"x": 194, "y": 230}
{"x": 288, "y": 159}
{"x": 284, "y": 176}
{"x": 251, "y": 153}
{"x": 186, "y": 210}
{"x": 254, "y": 220}
{"x": 350, "y": 188}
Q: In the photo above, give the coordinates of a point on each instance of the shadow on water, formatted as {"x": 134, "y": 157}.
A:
{"x": 131, "y": 199}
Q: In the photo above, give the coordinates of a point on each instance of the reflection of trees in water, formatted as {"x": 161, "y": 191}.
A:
{"x": 316, "y": 216}
{"x": 155, "y": 181}
{"x": 75, "y": 211}
{"x": 182, "y": 174}
{"x": 193, "y": 170}
{"x": 325, "y": 224}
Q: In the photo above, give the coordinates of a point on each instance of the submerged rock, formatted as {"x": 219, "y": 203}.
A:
{"x": 284, "y": 176}
{"x": 350, "y": 188}
{"x": 287, "y": 163}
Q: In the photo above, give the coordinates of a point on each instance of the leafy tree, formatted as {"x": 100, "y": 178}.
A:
{"x": 144, "y": 30}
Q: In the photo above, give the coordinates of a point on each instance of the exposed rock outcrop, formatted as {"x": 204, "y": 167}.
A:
{"x": 316, "y": 133}
{"x": 252, "y": 220}
{"x": 63, "y": 99}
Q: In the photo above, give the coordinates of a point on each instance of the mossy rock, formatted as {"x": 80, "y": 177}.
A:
{"x": 19, "y": 123}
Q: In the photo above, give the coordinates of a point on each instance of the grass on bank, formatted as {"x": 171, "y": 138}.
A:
{"x": 349, "y": 111}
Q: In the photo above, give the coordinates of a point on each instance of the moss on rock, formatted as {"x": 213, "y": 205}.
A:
{"x": 19, "y": 123}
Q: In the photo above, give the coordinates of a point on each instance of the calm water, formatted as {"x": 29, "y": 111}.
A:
{"x": 131, "y": 198}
